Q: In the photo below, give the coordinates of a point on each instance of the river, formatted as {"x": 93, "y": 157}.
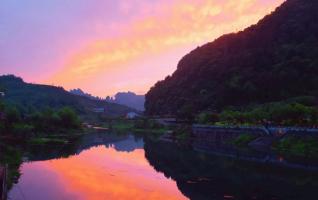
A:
{"x": 109, "y": 166}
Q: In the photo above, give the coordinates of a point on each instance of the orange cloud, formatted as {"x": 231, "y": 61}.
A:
{"x": 176, "y": 25}
{"x": 102, "y": 173}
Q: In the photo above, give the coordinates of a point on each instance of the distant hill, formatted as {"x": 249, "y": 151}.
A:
{"x": 32, "y": 97}
{"x": 129, "y": 99}
{"x": 273, "y": 60}
{"x": 80, "y": 92}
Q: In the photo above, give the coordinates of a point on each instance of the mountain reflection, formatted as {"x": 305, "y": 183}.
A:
{"x": 202, "y": 176}
{"x": 125, "y": 142}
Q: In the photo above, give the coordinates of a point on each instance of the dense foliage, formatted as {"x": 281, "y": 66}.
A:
{"x": 278, "y": 114}
{"x": 298, "y": 146}
{"x": 272, "y": 61}
{"x": 13, "y": 158}
{"x": 47, "y": 122}
{"x": 299, "y": 111}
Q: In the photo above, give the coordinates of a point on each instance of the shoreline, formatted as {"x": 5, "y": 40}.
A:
{"x": 269, "y": 130}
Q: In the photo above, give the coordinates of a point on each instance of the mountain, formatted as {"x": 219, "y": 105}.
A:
{"x": 129, "y": 99}
{"x": 274, "y": 60}
{"x": 33, "y": 97}
{"x": 80, "y": 92}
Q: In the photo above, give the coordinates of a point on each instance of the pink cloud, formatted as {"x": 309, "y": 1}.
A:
{"x": 160, "y": 29}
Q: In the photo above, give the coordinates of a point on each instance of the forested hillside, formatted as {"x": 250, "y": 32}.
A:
{"x": 33, "y": 97}
{"x": 274, "y": 60}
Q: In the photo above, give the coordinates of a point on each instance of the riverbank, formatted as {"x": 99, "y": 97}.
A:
{"x": 300, "y": 142}
{"x": 3, "y": 182}
{"x": 266, "y": 130}
{"x": 119, "y": 125}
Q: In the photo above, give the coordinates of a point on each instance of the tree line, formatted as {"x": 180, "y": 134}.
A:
{"x": 20, "y": 125}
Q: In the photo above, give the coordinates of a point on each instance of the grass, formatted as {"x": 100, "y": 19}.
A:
{"x": 39, "y": 141}
{"x": 123, "y": 125}
{"x": 243, "y": 140}
{"x": 298, "y": 146}
{"x": 141, "y": 126}
{"x": 154, "y": 131}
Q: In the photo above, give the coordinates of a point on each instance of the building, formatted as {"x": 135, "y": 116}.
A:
{"x": 99, "y": 110}
{"x": 132, "y": 115}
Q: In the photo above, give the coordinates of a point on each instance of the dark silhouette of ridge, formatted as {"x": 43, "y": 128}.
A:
{"x": 274, "y": 60}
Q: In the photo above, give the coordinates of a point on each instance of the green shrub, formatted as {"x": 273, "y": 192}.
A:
{"x": 68, "y": 118}
{"x": 22, "y": 130}
{"x": 299, "y": 146}
{"x": 183, "y": 132}
{"x": 147, "y": 124}
{"x": 243, "y": 140}
{"x": 281, "y": 113}
{"x": 207, "y": 118}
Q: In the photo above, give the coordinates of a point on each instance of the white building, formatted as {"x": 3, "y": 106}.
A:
{"x": 132, "y": 115}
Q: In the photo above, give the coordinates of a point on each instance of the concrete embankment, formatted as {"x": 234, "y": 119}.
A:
{"x": 263, "y": 130}
{"x": 220, "y": 140}
{"x": 272, "y": 131}
{"x": 265, "y": 136}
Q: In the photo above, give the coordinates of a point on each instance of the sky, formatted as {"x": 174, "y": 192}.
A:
{"x": 107, "y": 46}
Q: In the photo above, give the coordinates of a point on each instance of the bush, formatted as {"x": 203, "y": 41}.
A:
{"x": 22, "y": 130}
{"x": 243, "y": 140}
{"x": 183, "y": 132}
{"x": 187, "y": 112}
{"x": 299, "y": 146}
{"x": 234, "y": 117}
{"x": 11, "y": 116}
{"x": 39, "y": 122}
{"x": 68, "y": 118}
{"x": 281, "y": 113}
{"x": 147, "y": 124}
{"x": 207, "y": 117}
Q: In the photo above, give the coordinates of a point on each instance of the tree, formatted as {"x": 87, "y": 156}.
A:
{"x": 12, "y": 115}
{"x": 186, "y": 113}
{"x": 207, "y": 117}
{"x": 68, "y": 118}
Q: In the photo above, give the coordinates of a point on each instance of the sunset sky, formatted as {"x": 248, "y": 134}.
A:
{"x": 107, "y": 46}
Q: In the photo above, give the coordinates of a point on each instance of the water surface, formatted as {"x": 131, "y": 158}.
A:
{"x": 114, "y": 170}
{"x": 107, "y": 166}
